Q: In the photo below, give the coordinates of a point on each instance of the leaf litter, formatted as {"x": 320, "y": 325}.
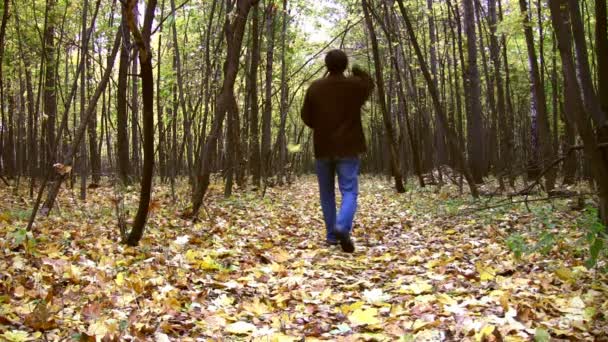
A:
{"x": 258, "y": 269}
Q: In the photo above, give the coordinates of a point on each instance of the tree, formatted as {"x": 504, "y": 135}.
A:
{"x": 267, "y": 114}
{"x": 473, "y": 92}
{"x": 254, "y": 141}
{"x": 575, "y": 110}
{"x": 601, "y": 48}
{"x": 142, "y": 42}
{"x": 451, "y": 136}
{"x": 388, "y": 125}
{"x": 541, "y": 135}
{"x": 122, "y": 137}
{"x": 234, "y": 31}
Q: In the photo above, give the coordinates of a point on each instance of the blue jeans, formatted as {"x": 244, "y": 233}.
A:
{"x": 348, "y": 171}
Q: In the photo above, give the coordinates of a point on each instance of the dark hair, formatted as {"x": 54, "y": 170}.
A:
{"x": 336, "y": 61}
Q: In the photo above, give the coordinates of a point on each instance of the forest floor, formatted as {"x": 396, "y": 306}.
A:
{"x": 424, "y": 269}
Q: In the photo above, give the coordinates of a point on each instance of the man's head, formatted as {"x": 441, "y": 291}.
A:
{"x": 336, "y": 61}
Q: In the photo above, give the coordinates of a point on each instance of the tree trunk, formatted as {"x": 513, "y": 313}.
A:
{"x": 542, "y": 150}
{"x": 490, "y": 124}
{"x": 135, "y": 136}
{"x": 63, "y": 171}
{"x": 399, "y": 66}
{"x": 388, "y": 125}
{"x": 8, "y": 152}
{"x": 83, "y": 97}
{"x": 2, "y": 43}
{"x": 32, "y": 154}
{"x": 122, "y": 116}
{"x": 601, "y": 49}
{"x": 451, "y": 136}
{"x": 50, "y": 91}
{"x": 254, "y": 141}
{"x": 162, "y": 143}
{"x": 504, "y": 153}
{"x": 590, "y": 101}
{"x": 142, "y": 41}
{"x": 234, "y": 32}
{"x": 575, "y": 109}
{"x": 187, "y": 142}
{"x": 473, "y": 92}
{"x": 267, "y": 115}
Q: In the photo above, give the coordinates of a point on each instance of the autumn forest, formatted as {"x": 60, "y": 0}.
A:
{"x": 158, "y": 182}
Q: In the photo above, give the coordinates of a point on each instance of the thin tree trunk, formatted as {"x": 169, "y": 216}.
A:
{"x": 542, "y": 150}
{"x": 162, "y": 144}
{"x": 234, "y": 38}
{"x": 50, "y": 91}
{"x": 135, "y": 136}
{"x": 473, "y": 92}
{"x": 267, "y": 114}
{"x": 63, "y": 170}
{"x": 398, "y": 65}
{"x": 504, "y": 154}
{"x": 83, "y": 92}
{"x": 122, "y": 117}
{"x": 601, "y": 49}
{"x": 451, "y": 136}
{"x": 2, "y": 43}
{"x": 281, "y": 144}
{"x": 592, "y": 105}
{"x": 254, "y": 141}
{"x": 575, "y": 109}
{"x": 142, "y": 41}
{"x": 388, "y": 125}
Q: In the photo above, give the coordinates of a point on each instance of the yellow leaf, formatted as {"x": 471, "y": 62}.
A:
{"x": 450, "y": 232}
{"x": 565, "y": 274}
{"x": 416, "y": 288}
{"x": 256, "y": 307}
{"x": 241, "y": 327}
{"x": 445, "y": 299}
{"x": 420, "y": 324}
{"x": 223, "y": 301}
{"x": 486, "y": 331}
{"x": 363, "y": 317}
{"x": 191, "y": 256}
{"x": 433, "y": 263}
{"x": 120, "y": 279}
{"x": 354, "y": 306}
{"x": 15, "y": 336}
{"x": 283, "y": 338}
{"x": 485, "y": 272}
{"x": 5, "y": 217}
{"x": 208, "y": 263}
{"x": 97, "y": 329}
{"x": 414, "y": 260}
{"x": 281, "y": 255}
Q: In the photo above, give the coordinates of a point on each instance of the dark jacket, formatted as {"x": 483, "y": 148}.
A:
{"x": 332, "y": 108}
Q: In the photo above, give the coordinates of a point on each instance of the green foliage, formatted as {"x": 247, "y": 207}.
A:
{"x": 21, "y": 237}
{"x": 595, "y": 237}
{"x": 517, "y": 245}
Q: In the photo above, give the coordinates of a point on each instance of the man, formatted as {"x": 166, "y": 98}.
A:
{"x": 332, "y": 108}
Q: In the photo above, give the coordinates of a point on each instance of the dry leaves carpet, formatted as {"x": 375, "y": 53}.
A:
{"x": 258, "y": 269}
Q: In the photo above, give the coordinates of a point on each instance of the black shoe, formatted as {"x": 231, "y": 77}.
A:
{"x": 331, "y": 242}
{"x": 345, "y": 242}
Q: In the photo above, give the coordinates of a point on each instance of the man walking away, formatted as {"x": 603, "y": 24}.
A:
{"x": 332, "y": 108}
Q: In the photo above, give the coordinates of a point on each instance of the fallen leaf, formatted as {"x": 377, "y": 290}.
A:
{"x": 240, "y": 328}
{"x": 364, "y": 317}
